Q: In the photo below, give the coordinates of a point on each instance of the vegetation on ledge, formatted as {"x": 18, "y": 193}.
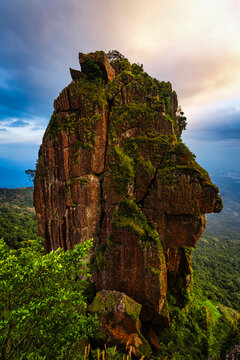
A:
{"x": 130, "y": 217}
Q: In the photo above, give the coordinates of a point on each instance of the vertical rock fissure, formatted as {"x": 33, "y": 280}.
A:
{"x": 69, "y": 99}
{"x": 101, "y": 176}
{"x": 150, "y": 186}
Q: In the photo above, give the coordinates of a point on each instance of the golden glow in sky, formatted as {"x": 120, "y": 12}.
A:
{"x": 194, "y": 44}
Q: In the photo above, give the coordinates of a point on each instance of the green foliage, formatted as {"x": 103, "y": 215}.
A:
{"x": 121, "y": 171}
{"x": 150, "y": 143}
{"x": 181, "y": 149}
{"x": 87, "y": 133}
{"x": 129, "y": 216}
{"x": 129, "y": 115}
{"x": 216, "y": 258}
{"x": 213, "y": 328}
{"x": 182, "y": 122}
{"x": 91, "y": 93}
{"x": 54, "y": 125}
{"x": 43, "y": 310}
{"x": 203, "y": 328}
{"x": 165, "y": 88}
{"x": 118, "y": 83}
{"x": 198, "y": 331}
{"x": 118, "y": 61}
{"x": 70, "y": 123}
{"x": 100, "y": 257}
{"x": 114, "y": 55}
{"x": 31, "y": 174}
{"x": 179, "y": 160}
{"x": 177, "y": 281}
{"x": 17, "y": 198}
{"x": 108, "y": 353}
{"x": 185, "y": 339}
{"x": 92, "y": 70}
{"x": 137, "y": 69}
{"x": 218, "y": 278}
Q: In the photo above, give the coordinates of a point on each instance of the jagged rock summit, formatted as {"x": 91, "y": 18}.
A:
{"x": 112, "y": 167}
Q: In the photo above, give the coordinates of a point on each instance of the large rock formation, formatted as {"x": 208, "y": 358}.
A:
{"x": 112, "y": 167}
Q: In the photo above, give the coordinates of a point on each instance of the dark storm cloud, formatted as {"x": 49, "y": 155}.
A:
{"x": 40, "y": 39}
{"x": 222, "y": 125}
{"x": 34, "y": 51}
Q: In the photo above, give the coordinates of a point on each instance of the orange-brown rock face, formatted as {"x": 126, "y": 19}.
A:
{"x": 112, "y": 166}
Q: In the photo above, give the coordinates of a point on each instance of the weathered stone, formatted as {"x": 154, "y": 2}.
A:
{"x": 112, "y": 166}
{"x": 120, "y": 324}
{"x": 62, "y": 102}
{"x": 179, "y": 265}
{"x": 99, "y": 58}
{"x": 153, "y": 339}
{"x": 141, "y": 272}
{"x": 71, "y": 214}
{"x": 75, "y": 74}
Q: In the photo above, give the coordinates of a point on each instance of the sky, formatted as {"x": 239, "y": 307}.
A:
{"x": 194, "y": 44}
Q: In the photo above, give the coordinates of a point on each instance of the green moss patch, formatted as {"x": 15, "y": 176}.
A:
{"x": 179, "y": 160}
{"x": 130, "y": 217}
{"x": 151, "y": 144}
{"x": 122, "y": 172}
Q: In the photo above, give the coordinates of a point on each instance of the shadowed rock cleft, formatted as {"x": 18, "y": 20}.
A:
{"x": 112, "y": 167}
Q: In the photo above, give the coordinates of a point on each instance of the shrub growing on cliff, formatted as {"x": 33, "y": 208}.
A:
{"x": 42, "y": 306}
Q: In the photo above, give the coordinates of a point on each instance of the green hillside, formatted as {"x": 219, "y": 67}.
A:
{"x": 216, "y": 260}
{"x": 17, "y": 216}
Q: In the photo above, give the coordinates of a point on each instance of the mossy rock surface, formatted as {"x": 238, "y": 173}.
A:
{"x": 113, "y": 167}
{"x": 109, "y": 301}
{"x": 119, "y": 322}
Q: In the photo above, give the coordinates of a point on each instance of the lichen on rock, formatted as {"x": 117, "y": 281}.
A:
{"x": 112, "y": 166}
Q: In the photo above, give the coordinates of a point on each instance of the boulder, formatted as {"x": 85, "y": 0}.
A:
{"x": 120, "y": 325}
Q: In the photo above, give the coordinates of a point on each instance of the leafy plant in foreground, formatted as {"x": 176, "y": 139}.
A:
{"x": 42, "y": 306}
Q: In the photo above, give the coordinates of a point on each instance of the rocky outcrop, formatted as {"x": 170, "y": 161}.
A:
{"x": 112, "y": 166}
{"x": 120, "y": 324}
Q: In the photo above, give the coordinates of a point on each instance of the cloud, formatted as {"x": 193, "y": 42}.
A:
{"x": 194, "y": 44}
{"x": 17, "y": 131}
{"x": 18, "y": 123}
{"x": 4, "y": 79}
{"x": 221, "y": 125}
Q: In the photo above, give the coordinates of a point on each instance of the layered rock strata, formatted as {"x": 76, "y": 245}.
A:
{"x": 112, "y": 167}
